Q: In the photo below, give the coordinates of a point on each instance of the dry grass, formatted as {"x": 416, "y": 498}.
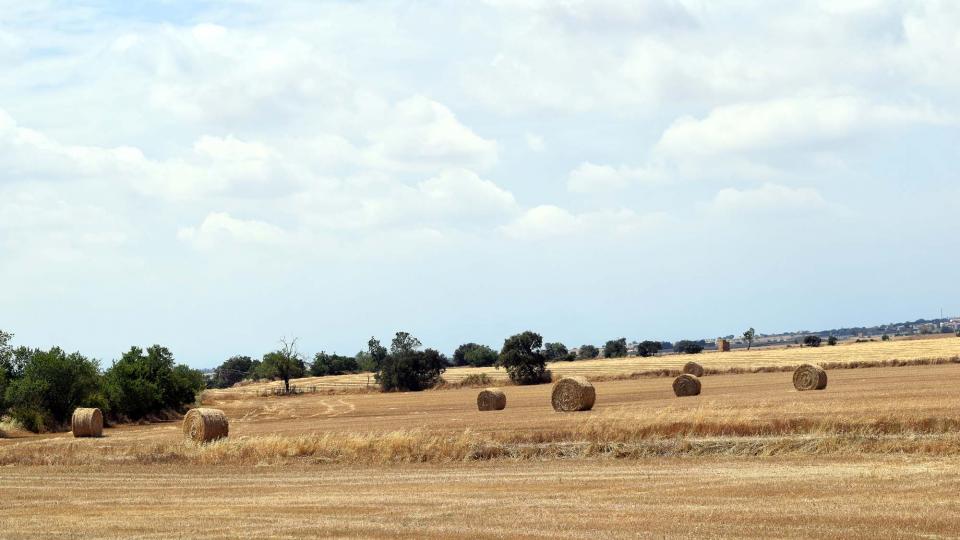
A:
{"x": 854, "y": 497}
{"x": 932, "y": 350}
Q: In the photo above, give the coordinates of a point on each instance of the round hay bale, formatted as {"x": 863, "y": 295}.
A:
{"x": 573, "y": 394}
{"x": 87, "y": 422}
{"x": 686, "y": 385}
{"x": 693, "y": 368}
{"x": 491, "y": 399}
{"x": 809, "y": 377}
{"x": 204, "y": 425}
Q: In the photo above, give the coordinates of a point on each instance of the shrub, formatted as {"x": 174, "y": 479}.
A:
{"x": 554, "y": 352}
{"x": 615, "y": 348}
{"x": 51, "y": 386}
{"x": 588, "y": 351}
{"x": 523, "y": 359}
{"x": 686, "y": 346}
{"x": 475, "y": 355}
{"x": 649, "y": 348}
{"x": 832, "y": 340}
{"x": 885, "y": 337}
{"x": 333, "y": 364}
{"x": 406, "y": 367}
{"x": 232, "y": 371}
{"x": 139, "y": 384}
{"x": 812, "y": 341}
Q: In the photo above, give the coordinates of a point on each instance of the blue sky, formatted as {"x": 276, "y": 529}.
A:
{"x": 216, "y": 175}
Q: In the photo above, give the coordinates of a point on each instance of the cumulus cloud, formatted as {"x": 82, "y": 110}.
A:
{"x": 220, "y": 227}
{"x": 549, "y": 221}
{"x": 771, "y": 199}
{"x": 782, "y": 123}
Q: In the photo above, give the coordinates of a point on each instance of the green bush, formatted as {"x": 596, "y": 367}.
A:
{"x": 588, "y": 352}
{"x": 615, "y": 348}
{"x": 52, "y": 384}
{"x": 406, "y": 367}
{"x": 685, "y": 346}
{"x": 232, "y": 371}
{"x": 139, "y": 384}
{"x": 332, "y": 364}
{"x": 523, "y": 359}
{"x": 649, "y": 348}
{"x": 832, "y": 340}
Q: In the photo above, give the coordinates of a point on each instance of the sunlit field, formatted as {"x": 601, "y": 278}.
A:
{"x": 760, "y": 358}
{"x": 877, "y": 453}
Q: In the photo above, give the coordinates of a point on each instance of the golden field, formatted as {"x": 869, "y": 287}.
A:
{"x": 934, "y": 347}
{"x": 876, "y": 454}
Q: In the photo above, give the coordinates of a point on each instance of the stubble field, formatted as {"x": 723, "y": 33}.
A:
{"x": 875, "y": 454}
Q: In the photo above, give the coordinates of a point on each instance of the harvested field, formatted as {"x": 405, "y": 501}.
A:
{"x": 883, "y": 410}
{"x": 856, "y": 497}
{"x": 906, "y": 350}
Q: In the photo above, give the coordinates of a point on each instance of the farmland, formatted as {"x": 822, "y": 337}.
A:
{"x": 768, "y": 357}
{"x": 877, "y": 452}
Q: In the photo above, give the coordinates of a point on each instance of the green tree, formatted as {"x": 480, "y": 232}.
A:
{"x": 686, "y": 346}
{"x": 885, "y": 337}
{"x": 649, "y": 348}
{"x": 554, "y": 352}
{"x": 284, "y": 363}
{"x": 232, "y": 371}
{"x": 615, "y": 348}
{"x": 481, "y": 356}
{"x": 523, "y": 359}
{"x": 587, "y": 352}
{"x": 812, "y": 341}
{"x": 406, "y": 367}
{"x": 748, "y": 336}
{"x": 52, "y": 384}
{"x": 332, "y": 364}
{"x": 832, "y": 340}
{"x": 148, "y": 382}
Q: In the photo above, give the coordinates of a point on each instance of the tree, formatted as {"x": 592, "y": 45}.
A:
{"x": 232, "y": 371}
{"x": 588, "y": 351}
{"x": 474, "y": 354}
{"x": 406, "y": 367}
{"x": 685, "y": 346}
{"x": 52, "y": 384}
{"x": 332, "y": 364}
{"x": 812, "y": 341}
{"x": 615, "y": 348}
{"x": 523, "y": 359}
{"x": 554, "y": 352}
{"x": 748, "y": 337}
{"x": 481, "y": 356}
{"x": 832, "y": 340}
{"x": 285, "y": 363}
{"x": 148, "y": 382}
{"x": 649, "y": 348}
{"x": 885, "y": 337}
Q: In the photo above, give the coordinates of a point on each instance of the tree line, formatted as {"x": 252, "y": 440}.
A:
{"x": 39, "y": 388}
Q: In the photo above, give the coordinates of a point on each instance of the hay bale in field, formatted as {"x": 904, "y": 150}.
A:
{"x": 686, "y": 385}
{"x": 693, "y": 368}
{"x": 573, "y": 394}
{"x": 87, "y": 422}
{"x": 491, "y": 399}
{"x": 203, "y": 425}
{"x": 809, "y": 377}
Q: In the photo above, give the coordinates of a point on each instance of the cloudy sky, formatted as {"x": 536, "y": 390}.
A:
{"x": 215, "y": 175}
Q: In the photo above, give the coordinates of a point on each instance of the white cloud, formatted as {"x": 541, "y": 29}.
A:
{"x": 220, "y": 227}
{"x": 548, "y": 221}
{"x": 592, "y": 178}
{"x": 781, "y": 123}
{"x": 424, "y": 133}
{"x": 769, "y": 199}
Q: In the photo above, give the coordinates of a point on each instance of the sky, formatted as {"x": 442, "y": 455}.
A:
{"x": 214, "y": 176}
